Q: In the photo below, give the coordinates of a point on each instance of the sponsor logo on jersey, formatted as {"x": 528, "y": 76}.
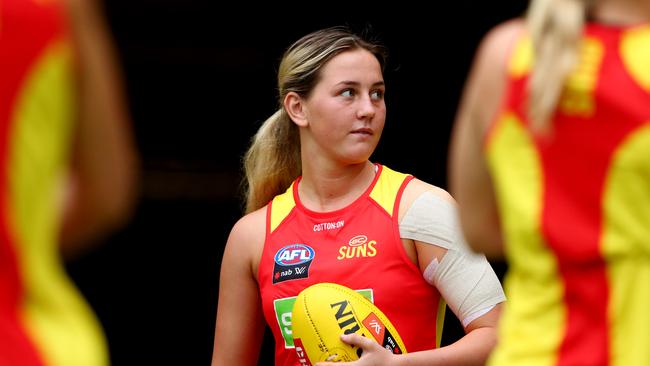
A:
{"x": 283, "y": 309}
{"x": 381, "y": 334}
{"x": 292, "y": 262}
{"x": 358, "y": 247}
{"x": 300, "y": 352}
{"x": 324, "y": 226}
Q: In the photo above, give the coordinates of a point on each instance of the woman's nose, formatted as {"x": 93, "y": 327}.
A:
{"x": 367, "y": 108}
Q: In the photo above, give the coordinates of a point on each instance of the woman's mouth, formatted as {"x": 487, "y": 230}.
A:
{"x": 363, "y": 131}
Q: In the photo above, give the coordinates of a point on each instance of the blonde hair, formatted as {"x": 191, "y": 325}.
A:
{"x": 556, "y": 28}
{"x": 273, "y": 160}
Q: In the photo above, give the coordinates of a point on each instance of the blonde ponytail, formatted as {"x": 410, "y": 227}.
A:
{"x": 556, "y": 29}
{"x": 273, "y": 160}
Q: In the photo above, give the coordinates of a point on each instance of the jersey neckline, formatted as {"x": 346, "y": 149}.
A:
{"x": 615, "y": 27}
{"x": 338, "y": 212}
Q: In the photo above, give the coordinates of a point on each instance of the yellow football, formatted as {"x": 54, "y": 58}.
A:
{"x": 324, "y": 311}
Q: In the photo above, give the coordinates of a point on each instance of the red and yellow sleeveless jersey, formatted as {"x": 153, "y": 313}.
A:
{"x": 575, "y": 209}
{"x": 358, "y": 246}
{"x": 43, "y": 320}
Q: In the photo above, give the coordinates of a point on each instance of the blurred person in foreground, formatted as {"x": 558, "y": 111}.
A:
{"x": 550, "y": 164}
{"x": 67, "y": 174}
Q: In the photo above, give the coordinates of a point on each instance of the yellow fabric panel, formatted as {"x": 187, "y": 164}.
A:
{"x": 282, "y": 206}
{"x": 440, "y": 320}
{"x": 626, "y": 248}
{"x": 533, "y": 321}
{"x": 522, "y": 57}
{"x": 387, "y": 187}
{"x": 58, "y": 319}
{"x": 636, "y": 54}
{"x": 578, "y": 94}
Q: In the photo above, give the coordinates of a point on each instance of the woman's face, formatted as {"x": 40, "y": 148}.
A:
{"x": 346, "y": 111}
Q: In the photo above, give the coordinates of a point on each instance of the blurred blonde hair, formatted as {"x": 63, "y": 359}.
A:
{"x": 273, "y": 160}
{"x": 556, "y": 28}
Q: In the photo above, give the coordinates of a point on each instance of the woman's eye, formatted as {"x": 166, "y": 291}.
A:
{"x": 347, "y": 93}
{"x": 377, "y": 94}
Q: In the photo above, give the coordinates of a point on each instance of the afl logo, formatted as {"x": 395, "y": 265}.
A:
{"x": 294, "y": 254}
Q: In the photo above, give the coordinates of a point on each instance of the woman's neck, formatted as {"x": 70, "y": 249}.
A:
{"x": 335, "y": 187}
{"x": 622, "y": 12}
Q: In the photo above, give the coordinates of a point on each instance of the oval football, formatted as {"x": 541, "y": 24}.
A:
{"x": 324, "y": 311}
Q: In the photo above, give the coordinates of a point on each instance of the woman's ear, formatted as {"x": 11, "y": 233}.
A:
{"x": 295, "y": 107}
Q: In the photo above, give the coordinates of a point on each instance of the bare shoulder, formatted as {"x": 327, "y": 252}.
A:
{"x": 499, "y": 39}
{"x": 246, "y": 239}
{"x": 494, "y": 50}
{"x": 250, "y": 228}
{"x": 415, "y": 189}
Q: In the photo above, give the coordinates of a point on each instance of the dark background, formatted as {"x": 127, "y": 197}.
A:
{"x": 200, "y": 78}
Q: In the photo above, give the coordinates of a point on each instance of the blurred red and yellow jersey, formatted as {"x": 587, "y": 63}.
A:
{"x": 43, "y": 319}
{"x": 575, "y": 208}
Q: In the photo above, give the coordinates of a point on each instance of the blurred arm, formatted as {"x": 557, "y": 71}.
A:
{"x": 470, "y": 181}
{"x": 102, "y": 184}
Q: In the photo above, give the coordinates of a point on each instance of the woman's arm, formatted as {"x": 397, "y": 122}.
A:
{"x": 240, "y": 321}
{"x": 469, "y": 177}
{"x": 458, "y": 274}
{"x": 472, "y": 349}
{"x": 102, "y": 187}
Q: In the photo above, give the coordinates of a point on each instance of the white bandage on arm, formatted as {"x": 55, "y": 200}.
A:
{"x": 465, "y": 279}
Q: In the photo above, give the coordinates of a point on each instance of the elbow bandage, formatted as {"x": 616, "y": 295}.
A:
{"x": 465, "y": 279}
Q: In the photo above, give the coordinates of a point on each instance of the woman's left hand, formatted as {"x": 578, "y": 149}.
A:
{"x": 373, "y": 353}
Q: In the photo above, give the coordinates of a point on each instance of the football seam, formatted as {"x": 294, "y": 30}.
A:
{"x": 311, "y": 322}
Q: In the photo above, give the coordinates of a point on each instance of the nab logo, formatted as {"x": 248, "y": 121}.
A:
{"x": 292, "y": 262}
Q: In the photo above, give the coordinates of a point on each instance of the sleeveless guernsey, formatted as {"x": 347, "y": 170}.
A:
{"x": 358, "y": 246}
{"x": 575, "y": 209}
{"x": 43, "y": 319}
